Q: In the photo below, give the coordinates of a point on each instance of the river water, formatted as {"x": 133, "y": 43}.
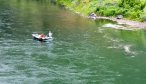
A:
{"x": 83, "y": 51}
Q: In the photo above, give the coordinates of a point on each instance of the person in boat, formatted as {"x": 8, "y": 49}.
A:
{"x": 42, "y": 35}
{"x": 50, "y": 34}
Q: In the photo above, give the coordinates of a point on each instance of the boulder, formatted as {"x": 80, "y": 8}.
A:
{"x": 120, "y": 17}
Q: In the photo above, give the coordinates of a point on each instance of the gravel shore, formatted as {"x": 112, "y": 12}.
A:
{"x": 124, "y": 21}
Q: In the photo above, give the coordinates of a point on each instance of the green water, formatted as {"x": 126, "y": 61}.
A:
{"x": 83, "y": 51}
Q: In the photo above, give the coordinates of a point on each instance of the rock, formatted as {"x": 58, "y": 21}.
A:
{"x": 92, "y": 16}
{"x": 120, "y": 17}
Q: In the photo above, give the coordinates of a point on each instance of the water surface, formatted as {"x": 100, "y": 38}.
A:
{"x": 83, "y": 51}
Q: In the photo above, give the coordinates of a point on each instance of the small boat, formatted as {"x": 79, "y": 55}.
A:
{"x": 39, "y": 38}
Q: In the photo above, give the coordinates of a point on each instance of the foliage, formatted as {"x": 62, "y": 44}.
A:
{"x": 131, "y": 9}
{"x": 143, "y": 15}
{"x": 135, "y": 8}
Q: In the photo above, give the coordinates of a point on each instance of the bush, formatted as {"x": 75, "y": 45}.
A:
{"x": 109, "y": 12}
{"x": 132, "y": 9}
{"x": 143, "y": 15}
{"x": 121, "y": 11}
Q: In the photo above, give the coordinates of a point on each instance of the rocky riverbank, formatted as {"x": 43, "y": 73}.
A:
{"x": 132, "y": 10}
{"x": 124, "y": 21}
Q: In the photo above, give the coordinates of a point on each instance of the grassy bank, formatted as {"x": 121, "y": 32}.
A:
{"x": 130, "y": 9}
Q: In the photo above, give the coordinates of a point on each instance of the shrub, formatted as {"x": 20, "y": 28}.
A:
{"x": 109, "y": 12}
{"x": 132, "y": 9}
{"x": 121, "y": 11}
{"x": 143, "y": 15}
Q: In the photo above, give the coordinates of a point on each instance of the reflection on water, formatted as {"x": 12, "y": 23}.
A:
{"x": 82, "y": 51}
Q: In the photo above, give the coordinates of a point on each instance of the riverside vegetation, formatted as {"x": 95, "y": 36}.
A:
{"x": 130, "y": 9}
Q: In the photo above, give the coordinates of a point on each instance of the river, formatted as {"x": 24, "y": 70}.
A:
{"x": 83, "y": 51}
